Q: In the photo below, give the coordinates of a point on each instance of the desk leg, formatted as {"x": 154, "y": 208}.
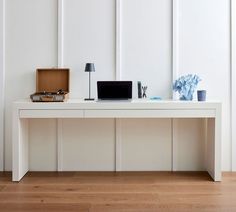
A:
{"x": 213, "y": 157}
{"x": 20, "y": 147}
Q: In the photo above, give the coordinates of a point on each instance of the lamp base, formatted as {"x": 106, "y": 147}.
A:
{"x": 89, "y": 99}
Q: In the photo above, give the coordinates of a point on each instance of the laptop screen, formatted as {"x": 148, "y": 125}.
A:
{"x": 114, "y": 90}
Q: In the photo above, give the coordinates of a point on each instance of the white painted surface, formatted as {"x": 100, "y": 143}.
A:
{"x": 80, "y": 152}
{"x": 146, "y": 45}
{"x": 118, "y": 39}
{"x": 145, "y": 55}
{"x": 233, "y": 82}
{"x": 2, "y": 80}
{"x": 89, "y": 36}
{"x": 31, "y": 42}
{"x": 59, "y": 142}
{"x": 28, "y": 47}
{"x": 60, "y": 35}
{"x": 118, "y": 144}
{"x": 42, "y": 143}
{"x": 175, "y": 144}
{"x": 148, "y": 114}
{"x": 143, "y": 142}
{"x": 204, "y": 49}
{"x": 80, "y": 104}
{"x": 20, "y": 147}
{"x": 137, "y": 149}
{"x": 190, "y": 145}
{"x": 118, "y": 122}
{"x": 175, "y": 41}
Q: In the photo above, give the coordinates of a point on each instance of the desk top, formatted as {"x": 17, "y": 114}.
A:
{"x": 73, "y": 104}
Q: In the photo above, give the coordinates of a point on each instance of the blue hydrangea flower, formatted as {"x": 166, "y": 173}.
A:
{"x": 186, "y": 86}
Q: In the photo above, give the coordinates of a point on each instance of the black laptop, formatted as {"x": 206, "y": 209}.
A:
{"x": 114, "y": 90}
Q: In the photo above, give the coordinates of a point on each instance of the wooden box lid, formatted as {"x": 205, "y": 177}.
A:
{"x": 52, "y": 80}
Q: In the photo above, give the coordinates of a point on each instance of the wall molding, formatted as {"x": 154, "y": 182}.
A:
{"x": 175, "y": 74}
{"x": 60, "y": 38}
{"x": 233, "y": 83}
{"x": 118, "y": 122}
{"x": 118, "y": 39}
{"x": 2, "y": 81}
{"x": 175, "y": 40}
{"x": 59, "y": 144}
{"x": 60, "y": 63}
{"x": 175, "y": 147}
{"x": 118, "y": 145}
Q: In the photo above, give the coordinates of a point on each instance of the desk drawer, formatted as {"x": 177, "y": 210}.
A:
{"x": 149, "y": 113}
{"x": 51, "y": 113}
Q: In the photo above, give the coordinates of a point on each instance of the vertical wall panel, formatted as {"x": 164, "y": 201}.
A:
{"x": 146, "y": 144}
{"x": 88, "y": 145}
{"x": 42, "y": 145}
{"x": 146, "y": 41}
{"x": 191, "y": 145}
{"x": 31, "y": 42}
{"x": 89, "y": 36}
{"x": 146, "y": 44}
{"x": 204, "y": 48}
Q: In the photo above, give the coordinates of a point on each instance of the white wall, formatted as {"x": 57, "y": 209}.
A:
{"x": 31, "y": 41}
{"x": 204, "y": 49}
{"x": 146, "y": 44}
{"x": 2, "y": 80}
{"x": 89, "y": 36}
{"x": 233, "y": 82}
{"x": 145, "y": 54}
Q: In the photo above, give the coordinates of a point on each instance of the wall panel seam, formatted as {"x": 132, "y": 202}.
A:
{"x": 60, "y": 33}
{"x": 175, "y": 69}
{"x": 118, "y": 135}
{"x": 175, "y": 39}
{"x": 118, "y": 39}
{"x": 233, "y": 83}
{"x": 60, "y": 53}
{"x": 2, "y": 84}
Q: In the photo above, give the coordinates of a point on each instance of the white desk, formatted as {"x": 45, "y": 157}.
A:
{"x": 24, "y": 110}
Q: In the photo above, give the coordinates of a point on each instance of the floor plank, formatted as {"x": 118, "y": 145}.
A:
{"x": 126, "y": 191}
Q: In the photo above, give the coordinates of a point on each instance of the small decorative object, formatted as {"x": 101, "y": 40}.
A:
{"x": 201, "y": 95}
{"x": 139, "y": 90}
{"x": 89, "y": 68}
{"x": 144, "y": 88}
{"x": 52, "y": 85}
{"x": 155, "y": 98}
{"x": 186, "y": 86}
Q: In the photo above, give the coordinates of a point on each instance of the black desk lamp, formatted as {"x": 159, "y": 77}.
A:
{"x": 89, "y": 68}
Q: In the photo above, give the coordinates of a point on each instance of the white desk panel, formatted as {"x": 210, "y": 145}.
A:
{"x": 116, "y": 105}
{"x": 149, "y": 113}
{"x": 51, "y": 113}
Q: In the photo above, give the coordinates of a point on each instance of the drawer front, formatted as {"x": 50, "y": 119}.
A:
{"x": 149, "y": 113}
{"x": 51, "y": 113}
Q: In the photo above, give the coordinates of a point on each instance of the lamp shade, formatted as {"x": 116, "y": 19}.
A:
{"x": 89, "y": 67}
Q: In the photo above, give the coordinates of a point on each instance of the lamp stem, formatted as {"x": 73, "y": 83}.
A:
{"x": 89, "y": 85}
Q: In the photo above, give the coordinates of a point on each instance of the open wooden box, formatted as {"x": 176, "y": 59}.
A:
{"x": 52, "y": 85}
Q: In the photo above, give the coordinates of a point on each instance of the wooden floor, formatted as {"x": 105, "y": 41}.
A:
{"x": 145, "y": 191}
